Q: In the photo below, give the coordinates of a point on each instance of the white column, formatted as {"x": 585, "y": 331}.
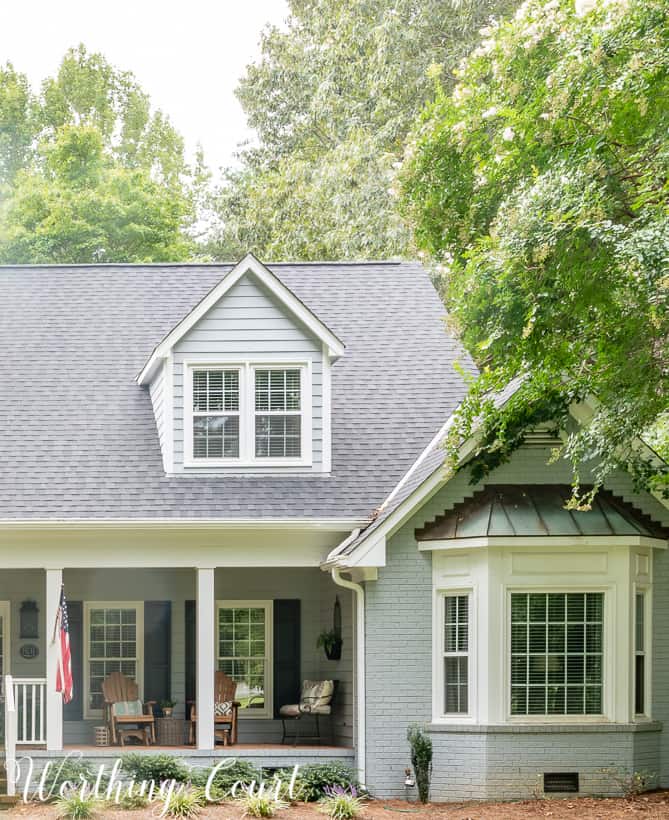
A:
{"x": 54, "y": 700}
{"x": 206, "y": 661}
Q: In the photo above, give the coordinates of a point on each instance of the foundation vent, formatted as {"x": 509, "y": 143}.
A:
{"x": 560, "y": 782}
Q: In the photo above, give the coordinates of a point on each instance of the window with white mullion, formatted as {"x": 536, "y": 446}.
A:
{"x": 215, "y": 413}
{"x": 278, "y": 412}
{"x": 456, "y": 654}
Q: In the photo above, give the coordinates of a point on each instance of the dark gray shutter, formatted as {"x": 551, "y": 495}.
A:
{"x": 74, "y": 710}
{"x": 190, "y": 642}
{"x": 157, "y": 649}
{"x": 287, "y": 680}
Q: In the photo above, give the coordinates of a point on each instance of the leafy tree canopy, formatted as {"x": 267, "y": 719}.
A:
{"x": 332, "y": 99}
{"x": 540, "y": 185}
{"x": 88, "y": 172}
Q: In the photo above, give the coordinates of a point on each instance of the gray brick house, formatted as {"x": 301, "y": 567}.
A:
{"x": 219, "y": 463}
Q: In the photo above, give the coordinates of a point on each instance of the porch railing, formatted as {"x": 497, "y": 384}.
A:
{"x": 10, "y": 733}
{"x": 30, "y": 701}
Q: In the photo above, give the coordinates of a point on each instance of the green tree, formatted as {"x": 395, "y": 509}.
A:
{"x": 540, "y": 186}
{"x": 91, "y": 173}
{"x": 331, "y": 100}
{"x": 82, "y": 207}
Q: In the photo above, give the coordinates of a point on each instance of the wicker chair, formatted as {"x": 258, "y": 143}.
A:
{"x": 126, "y": 715}
{"x": 225, "y": 722}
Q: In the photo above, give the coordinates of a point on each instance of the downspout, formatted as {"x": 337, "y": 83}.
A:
{"x": 359, "y": 664}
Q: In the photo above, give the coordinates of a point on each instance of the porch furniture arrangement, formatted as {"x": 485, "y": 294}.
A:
{"x": 225, "y": 711}
{"x": 125, "y": 713}
{"x": 316, "y": 699}
{"x": 170, "y": 731}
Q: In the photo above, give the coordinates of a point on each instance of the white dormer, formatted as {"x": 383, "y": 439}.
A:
{"x": 242, "y": 383}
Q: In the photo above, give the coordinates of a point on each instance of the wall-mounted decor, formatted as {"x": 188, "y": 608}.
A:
{"x": 29, "y": 620}
{"x": 29, "y": 651}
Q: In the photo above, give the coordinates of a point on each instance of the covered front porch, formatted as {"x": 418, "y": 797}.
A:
{"x": 170, "y": 630}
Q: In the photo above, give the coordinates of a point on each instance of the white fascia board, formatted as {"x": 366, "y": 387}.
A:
{"x": 328, "y": 524}
{"x": 248, "y": 264}
{"x": 542, "y": 541}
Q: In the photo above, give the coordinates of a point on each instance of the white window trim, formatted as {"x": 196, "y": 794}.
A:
{"x": 608, "y": 655}
{"x": 247, "y": 368}
{"x": 138, "y": 606}
{"x": 268, "y": 606}
{"x": 647, "y": 591}
{"x": 438, "y": 682}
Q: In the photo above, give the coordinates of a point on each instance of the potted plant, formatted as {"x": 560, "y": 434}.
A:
{"x": 166, "y": 707}
{"x": 331, "y": 642}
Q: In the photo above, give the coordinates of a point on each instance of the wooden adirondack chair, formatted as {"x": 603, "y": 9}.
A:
{"x": 123, "y": 710}
{"x": 225, "y": 725}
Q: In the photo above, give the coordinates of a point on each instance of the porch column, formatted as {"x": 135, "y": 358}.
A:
{"x": 205, "y": 661}
{"x": 54, "y": 700}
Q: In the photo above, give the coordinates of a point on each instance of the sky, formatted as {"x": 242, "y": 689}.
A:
{"x": 186, "y": 55}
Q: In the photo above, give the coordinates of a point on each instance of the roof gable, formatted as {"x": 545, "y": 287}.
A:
{"x": 283, "y": 294}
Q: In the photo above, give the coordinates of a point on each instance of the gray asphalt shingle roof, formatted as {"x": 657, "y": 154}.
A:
{"x": 77, "y": 434}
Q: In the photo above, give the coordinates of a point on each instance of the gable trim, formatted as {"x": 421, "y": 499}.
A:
{"x": 249, "y": 263}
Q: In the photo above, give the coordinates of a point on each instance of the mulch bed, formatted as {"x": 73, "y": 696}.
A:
{"x": 653, "y": 805}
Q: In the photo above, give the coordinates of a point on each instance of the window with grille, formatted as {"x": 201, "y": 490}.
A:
{"x": 640, "y": 653}
{"x": 244, "y": 651}
{"x": 557, "y": 653}
{"x": 112, "y": 647}
{"x": 215, "y": 414}
{"x": 456, "y": 654}
{"x": 278, "y": 413}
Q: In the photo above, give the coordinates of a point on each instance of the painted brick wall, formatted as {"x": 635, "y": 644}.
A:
{"x": 489, "y": 764}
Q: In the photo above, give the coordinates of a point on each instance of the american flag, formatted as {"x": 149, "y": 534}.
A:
{"x": 64, "y": 681}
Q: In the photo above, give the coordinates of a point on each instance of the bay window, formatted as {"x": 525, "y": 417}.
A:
{"x": 456, "y": 654}
{"x": 557, "y": 653}
{"x": 640, "y": 672}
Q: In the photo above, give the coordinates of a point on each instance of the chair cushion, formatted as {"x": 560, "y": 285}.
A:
{"x": 291, "y": 710}
{"x": 128, "y": 708}
{"x": 316, "y": 694}
{"x": 222, "y": 708}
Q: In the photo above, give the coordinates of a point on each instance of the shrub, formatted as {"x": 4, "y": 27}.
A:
{"x": 155, "y": 767}
{"x": 421, "y": 760}
{"x": 241, "y": 771}
{"x": 186, "y": 802}
{"x": 70, "y": 770}
{"x": 75, "y": 807}
{"x": 315, "y": 779}
{"x": 262, "y": 805}
{"x": 133, "y": 801}
{"x": 340, "y": 803}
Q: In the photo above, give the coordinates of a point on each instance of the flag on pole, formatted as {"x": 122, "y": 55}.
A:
{"x": 64, "y": 682}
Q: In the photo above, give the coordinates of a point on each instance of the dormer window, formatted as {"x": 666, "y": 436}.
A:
{"x": 215, "y": 414}
{"x": 278, "y": 400}
{"x": 247, "y": 413}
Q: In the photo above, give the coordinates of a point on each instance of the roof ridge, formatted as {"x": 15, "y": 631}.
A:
{"x": 330, "y": 263}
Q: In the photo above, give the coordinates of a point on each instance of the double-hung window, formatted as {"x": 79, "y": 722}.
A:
{"x": 557, "y": 653}
{"x": 456, "y": 654}
{"x": 245, "y": 652}
{"x": 247, "y": 413}
{"x": 114, "y": 643}
{"x": 278, "y": 418}
{"x": 215, "y": 413}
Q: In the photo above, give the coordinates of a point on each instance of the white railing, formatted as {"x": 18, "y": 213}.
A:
{"x": 30, "y": 702}
{"x": 10, "y": 734}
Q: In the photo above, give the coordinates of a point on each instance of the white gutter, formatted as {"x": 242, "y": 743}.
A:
{"x": 359, "y": 666}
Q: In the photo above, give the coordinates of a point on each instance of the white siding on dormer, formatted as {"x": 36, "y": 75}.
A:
{"x": 248, "y": 322}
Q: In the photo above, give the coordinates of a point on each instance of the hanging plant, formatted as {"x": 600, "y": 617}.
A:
{"x": 331, "y": 642}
